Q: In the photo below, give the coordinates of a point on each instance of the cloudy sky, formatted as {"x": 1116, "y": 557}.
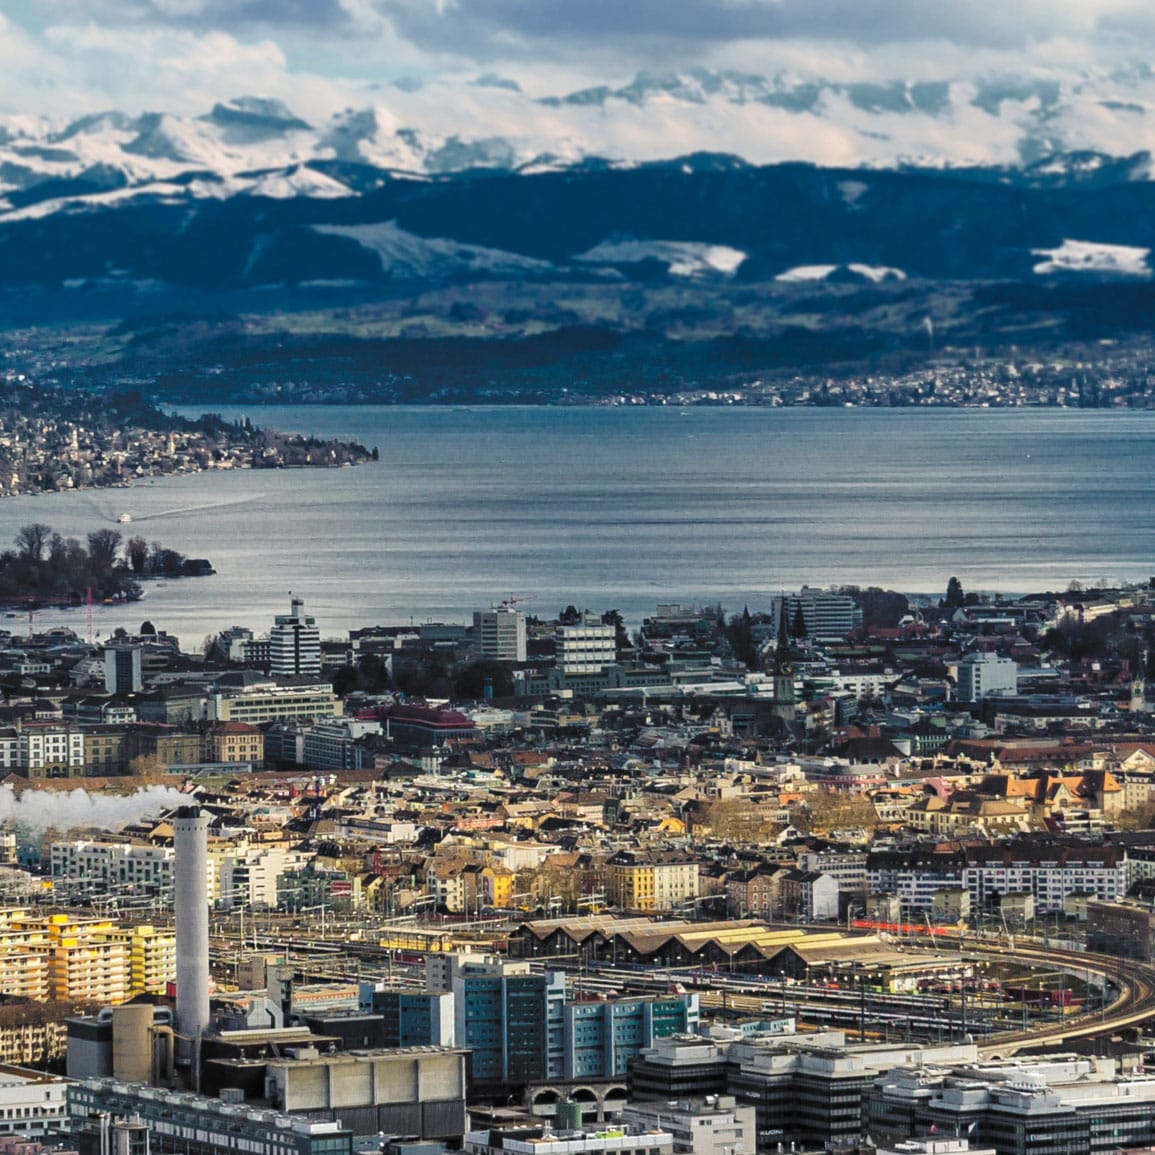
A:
{"x": 66, "y": 58}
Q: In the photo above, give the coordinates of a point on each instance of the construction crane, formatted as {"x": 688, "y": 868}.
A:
{"x": 513, "y": 601}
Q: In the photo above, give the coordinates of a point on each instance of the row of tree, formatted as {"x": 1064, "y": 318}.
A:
{"x": 45, "y": 566}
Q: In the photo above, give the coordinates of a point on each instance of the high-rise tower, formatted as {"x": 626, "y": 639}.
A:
{"x": 295, "y": 642}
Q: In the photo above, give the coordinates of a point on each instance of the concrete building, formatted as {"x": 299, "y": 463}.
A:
{"x": 602, "y": 1037}
{"x": 31, "y": 1103}
{"x": 711, "y": 1125}
{"x": 1064, "y": 1104}
{"x": 534, "y": 1141}
{"x": 295, "y": 643}
{"x": 827, "y": 616}
{"x": 81, "y": 867}
{"x": 123, "y": 669}
{"x": 417, "y": 1091}
{"x": 183, "y": 1124}
{"x": 804, "y": 1089}
{"x": 248, "y": 876}
{"x": 511, "y": 1019}
{"x": 411, "y": 1018}
{"x": 985, "y": 675}
{"x": 586, "y": 647}
{"x": 267, "y": 702}
{"x": 500, "y": 634}
{"x": 1049, "y": 870}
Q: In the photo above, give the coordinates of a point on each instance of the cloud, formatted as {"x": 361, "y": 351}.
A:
{"x": 488, "y": 28}
{"x": 220, "y": 15}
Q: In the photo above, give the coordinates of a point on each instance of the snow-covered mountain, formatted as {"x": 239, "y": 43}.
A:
{"x": 1041, "y": 130}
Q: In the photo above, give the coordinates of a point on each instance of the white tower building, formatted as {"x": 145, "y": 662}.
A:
{"x": 295, "y": 642}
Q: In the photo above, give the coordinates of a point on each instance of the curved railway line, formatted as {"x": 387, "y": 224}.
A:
{"x": 1132, "y": 1006}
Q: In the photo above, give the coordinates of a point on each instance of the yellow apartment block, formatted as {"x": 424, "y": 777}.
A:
{"x": 80, "y": 960}
{"x": 24, "y": 973}
{"x": 151, "y": 960}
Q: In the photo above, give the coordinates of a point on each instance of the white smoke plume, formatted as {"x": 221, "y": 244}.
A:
{"x": 69, "y": 809}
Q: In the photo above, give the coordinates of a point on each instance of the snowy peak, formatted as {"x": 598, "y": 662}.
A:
{"x": 1040, "y": 131}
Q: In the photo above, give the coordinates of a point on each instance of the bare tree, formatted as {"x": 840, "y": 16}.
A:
{"x": 32, "y": 540}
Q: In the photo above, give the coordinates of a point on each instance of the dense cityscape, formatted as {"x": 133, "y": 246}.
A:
{"x": 794, "y": 364}
{"x": 851, "y": 869}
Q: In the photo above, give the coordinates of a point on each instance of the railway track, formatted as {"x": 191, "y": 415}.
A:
{"x": 1133, "y": 1006}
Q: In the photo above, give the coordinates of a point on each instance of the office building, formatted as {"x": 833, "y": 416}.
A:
{"x": 511, "y": 1019}
{"x": 123, "y": 669}
{"x": 711, "y": 1125}
{"x": 804, "y": 1089}
{"x": 410, "y": 1018}
{"x": 500, "y": 634}
{"x": 31, "y": 1103}
{"x": 265, "y": 701}
{"x": 828, "y": 617}
{"x": 295, "y": 643}
{"x": 602, "y": 1037}
{"x": 980, "y": 676}
{"x": 587, "y": 646}
{"x": 534, "y": 1141}
{"x": 1062, "y": 1104}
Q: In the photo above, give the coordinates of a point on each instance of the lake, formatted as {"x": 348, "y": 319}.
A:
{"x": 625, "y": 507}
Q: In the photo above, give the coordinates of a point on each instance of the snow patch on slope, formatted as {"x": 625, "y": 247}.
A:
{"x": 873, "y": 273}
{"x": 406, "y": 255}
{"x": 1093, "y": 257}
{"x": 684, "y": 258}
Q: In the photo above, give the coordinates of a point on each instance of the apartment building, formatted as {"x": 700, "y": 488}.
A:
{"x": 655, "y": 880}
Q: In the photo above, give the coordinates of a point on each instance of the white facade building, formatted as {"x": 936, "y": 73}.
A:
{"x": 715, "y": 1125}
{"x": 31, "y": 1103}
{"x": 295, "y": 643}
{"x": 586, "y": 647}
{"x": 982, "y": 676}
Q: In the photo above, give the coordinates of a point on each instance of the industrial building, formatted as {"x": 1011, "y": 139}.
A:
{"x": 308, "y": 1089}
{"x": 184, "y": 1124}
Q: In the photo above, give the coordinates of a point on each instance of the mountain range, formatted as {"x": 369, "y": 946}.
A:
{"x": 1007, "y": 235}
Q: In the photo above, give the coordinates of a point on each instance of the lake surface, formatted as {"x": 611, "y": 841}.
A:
{"x": 626, "y": 507}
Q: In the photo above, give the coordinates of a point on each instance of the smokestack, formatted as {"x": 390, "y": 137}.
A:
{"x": 191, "y": 842}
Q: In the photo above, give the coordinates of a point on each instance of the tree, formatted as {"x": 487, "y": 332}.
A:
{"x": 954, "y": 594}
{"x": 621, "y": 634}
{"x": 798, "y": 626}
{"x": 137, "y": 552}
{"x": 826, "y": 810}
{"x": 31, "y": 541}
{"x": 103, "y": 549}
